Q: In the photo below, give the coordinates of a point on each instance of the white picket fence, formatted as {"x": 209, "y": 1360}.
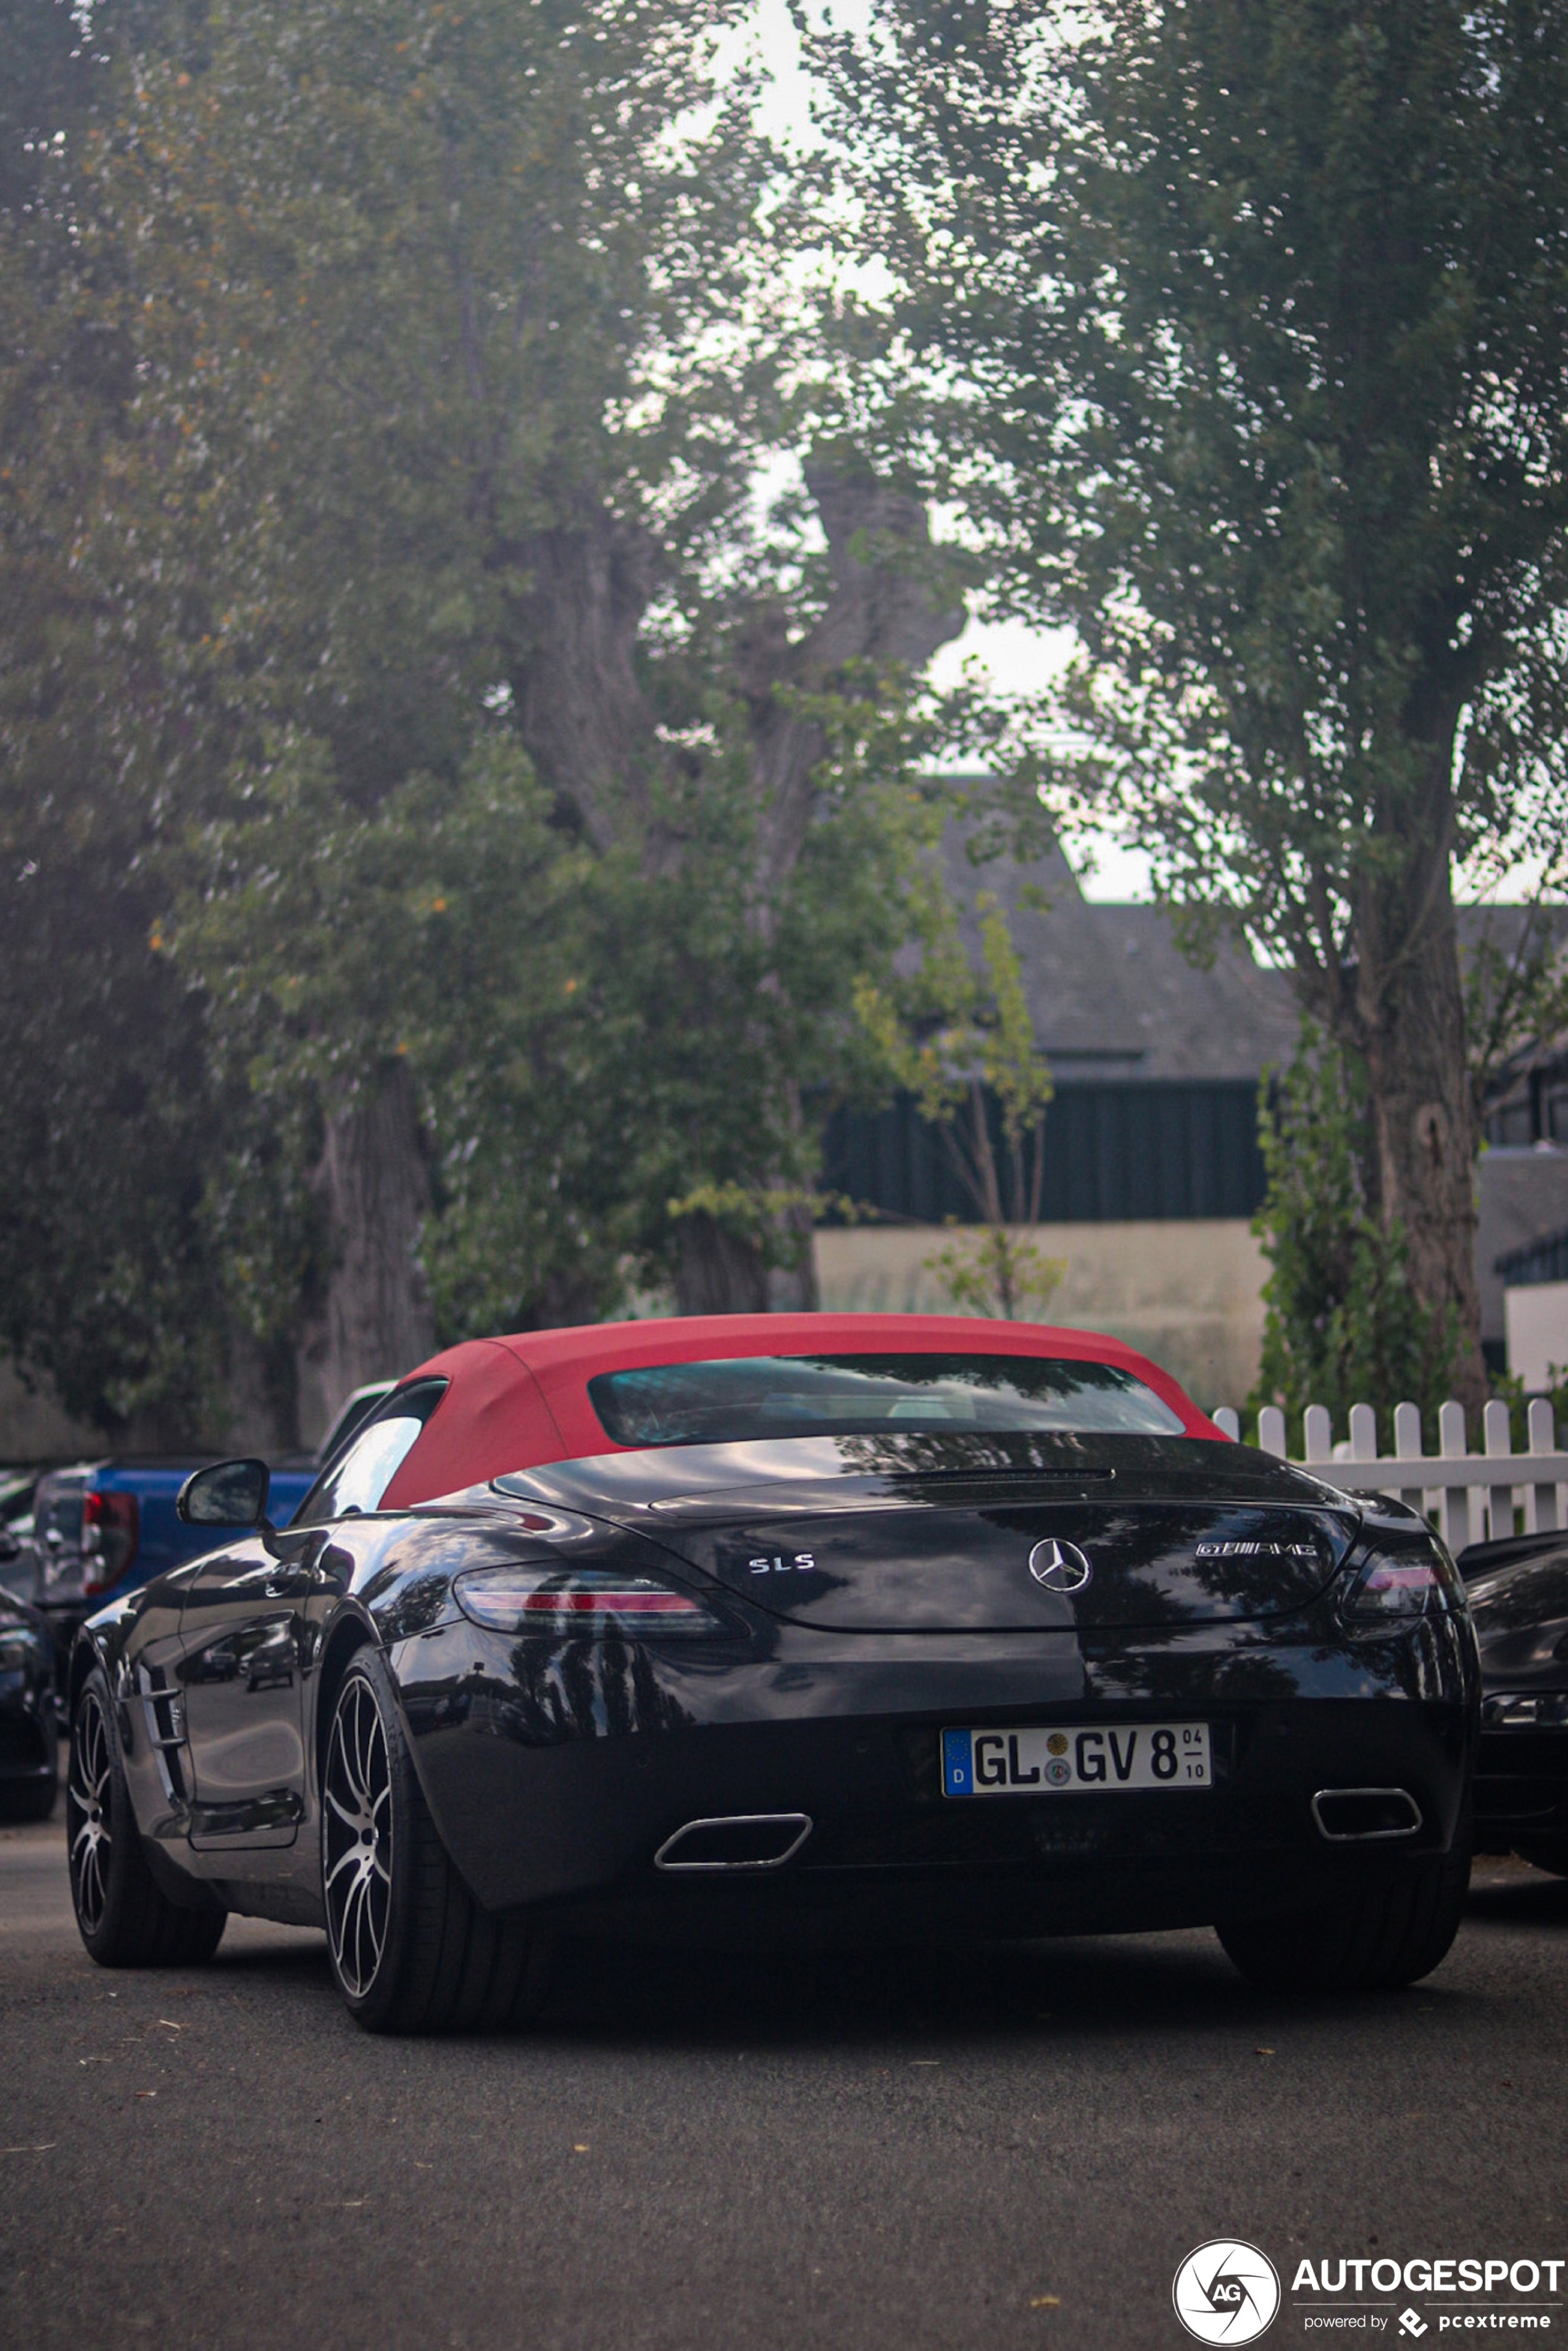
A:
{"x": 1470, "y": 1497}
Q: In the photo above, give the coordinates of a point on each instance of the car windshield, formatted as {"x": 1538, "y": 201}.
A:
{"x": 755, "y": 1396}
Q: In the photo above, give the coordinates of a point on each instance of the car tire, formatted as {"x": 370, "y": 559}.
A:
{"x": 1550, "y": 1853}
{"x": 1382, "y": 1939}
{"x": 124, "y": 1917}
{"x": 412, "y": 1950}
{"x": 32, "y": 1800}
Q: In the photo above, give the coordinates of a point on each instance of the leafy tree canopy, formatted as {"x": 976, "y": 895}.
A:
{"x": 1245, "y": 345}
{"x": 388, "y": 444}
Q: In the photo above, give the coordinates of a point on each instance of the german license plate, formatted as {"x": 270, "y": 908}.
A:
{"x": 1089, "y": 1760}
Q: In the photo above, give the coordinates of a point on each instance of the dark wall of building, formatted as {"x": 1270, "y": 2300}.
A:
{"x": 1147, "y": 1148}
{"x": 1543, "y": 1261}
{"x": 1532, "y": 1107}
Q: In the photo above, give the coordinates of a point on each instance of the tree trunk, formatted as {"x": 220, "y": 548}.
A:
{"x": 792, "y": 1287}
{"x": 582, "y": 713}
{"x": 717, "y": 1272}
{"x": 1409, "y": 1015}
{"x": 375, "y": 1321}
{"x": 262, "y": 1395}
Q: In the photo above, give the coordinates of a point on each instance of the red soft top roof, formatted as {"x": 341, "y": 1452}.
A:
{"x": 516, "y": 1403}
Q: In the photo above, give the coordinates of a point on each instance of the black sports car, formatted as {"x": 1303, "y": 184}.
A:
{"x": 28, "y": 1763}
{"x": 1519, "y": 1602}
{"x": 780, "y": 1626}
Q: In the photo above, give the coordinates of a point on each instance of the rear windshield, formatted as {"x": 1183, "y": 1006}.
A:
{"x": 754, "y": 1396}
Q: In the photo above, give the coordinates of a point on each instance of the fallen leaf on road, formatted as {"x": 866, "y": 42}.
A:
{"x": 1045, "y": 2301}
{"x": 171, "y": 2023}
{"x": 579, "y": 2150}
{"x": 1263, "y": 2053}
{"x": 147, "y": 2094}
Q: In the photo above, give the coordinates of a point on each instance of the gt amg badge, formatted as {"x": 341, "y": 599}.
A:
{"x": 1060, "y": 1567}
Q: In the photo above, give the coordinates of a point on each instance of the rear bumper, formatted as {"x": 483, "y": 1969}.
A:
{"x": 551, "y": 1794}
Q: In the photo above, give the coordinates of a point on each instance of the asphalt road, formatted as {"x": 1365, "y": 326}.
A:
{"x": 1013, "y": 2149}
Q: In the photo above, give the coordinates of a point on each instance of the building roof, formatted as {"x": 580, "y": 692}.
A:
{"x": 1112, "y": 995}
{"x": 1109, "y": 991}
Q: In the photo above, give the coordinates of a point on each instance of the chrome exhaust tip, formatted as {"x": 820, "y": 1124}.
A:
{"x": 1364, "y": 1815}
{"x": 736, "y": 1841}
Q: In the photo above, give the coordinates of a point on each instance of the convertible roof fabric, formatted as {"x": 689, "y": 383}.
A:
{"x": 516, "y": 1403}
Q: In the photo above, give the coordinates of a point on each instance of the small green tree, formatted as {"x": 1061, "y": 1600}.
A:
{"x": 959, "y": 1041}
{"x": 1343, "y": 1323}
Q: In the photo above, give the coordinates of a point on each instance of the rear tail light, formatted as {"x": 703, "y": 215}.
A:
{"x": 583, "y": 1601}
{"x": 1395, "y": 1584}
{"x": 110, "y": 1531}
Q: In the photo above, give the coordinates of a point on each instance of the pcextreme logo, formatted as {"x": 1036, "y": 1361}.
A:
{"x": 1226, "y": 2292}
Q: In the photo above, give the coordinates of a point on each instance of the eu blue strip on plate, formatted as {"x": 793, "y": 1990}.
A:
{"x": 957, "y": 1763}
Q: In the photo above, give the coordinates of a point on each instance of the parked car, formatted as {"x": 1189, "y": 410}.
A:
{"x": 28, "y": 1762}
{"x": 883, "y": 1627}
{"x": 18, "y": 1560}
{"x": 102, "y": 1529}
{"x": 1519, "y": 1606}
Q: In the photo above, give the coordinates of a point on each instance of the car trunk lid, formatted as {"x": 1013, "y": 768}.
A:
{"x": 1022, "y": 1565}
{"x": 1073, "y": 1535}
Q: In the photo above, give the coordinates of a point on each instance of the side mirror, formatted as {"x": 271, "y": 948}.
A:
{"x": 226, "y": 1494}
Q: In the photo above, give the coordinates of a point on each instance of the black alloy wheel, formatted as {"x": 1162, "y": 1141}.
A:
{"x": 87, "y": 1814}
{"x": 412, "y": 1950}
{"x": 357, "y": 1838}
{"x": 125, "y": 1919}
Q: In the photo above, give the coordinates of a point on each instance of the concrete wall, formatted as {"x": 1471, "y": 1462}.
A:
{"x": 1537, "y": 1330}
{"x": 1189, "y": 1294}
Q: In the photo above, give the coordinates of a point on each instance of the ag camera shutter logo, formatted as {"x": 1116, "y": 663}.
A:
{"x": 1227, "y": 2292}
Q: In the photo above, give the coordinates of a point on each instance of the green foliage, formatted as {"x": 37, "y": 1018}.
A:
{"x": 1251, "y": 349}
{"x": 1000, "y": 1271}
{"x": 387, "y": 624}
{"x": 958, "y": 1039}
{"x": 107, "y": 1274}
{"x": 1240, "y": 340}
{"x": 1510, "y": 1387}
{"x": 334, "y": 940}
{"x": 1344, "y": 1324}
{"x": 109, "y": 1288}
